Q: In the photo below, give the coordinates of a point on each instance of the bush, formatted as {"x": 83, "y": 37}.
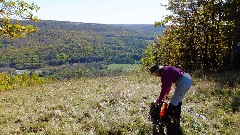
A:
{"x": 8, "y": 82}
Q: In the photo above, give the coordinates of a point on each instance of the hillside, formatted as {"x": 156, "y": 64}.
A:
{"x": 59, "y": 43}
{"x": 118, "y": 105}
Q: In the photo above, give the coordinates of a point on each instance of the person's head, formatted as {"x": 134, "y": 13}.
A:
{"x": 155, "y": 70}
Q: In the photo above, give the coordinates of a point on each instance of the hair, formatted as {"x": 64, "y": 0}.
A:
{"x": 160, "y": 69}
{"x": 154, "y": 68}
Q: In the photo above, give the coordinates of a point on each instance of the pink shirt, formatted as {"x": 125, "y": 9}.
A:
{"x": 169, "y": 75}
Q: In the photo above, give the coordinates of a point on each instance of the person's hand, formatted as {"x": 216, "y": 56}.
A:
{"x": 157, "y": 103}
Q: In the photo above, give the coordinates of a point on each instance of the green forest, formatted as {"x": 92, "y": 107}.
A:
{"x": 59, "y": 43}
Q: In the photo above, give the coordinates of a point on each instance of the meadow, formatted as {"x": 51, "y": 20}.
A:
{"x": 124, "y": 66}
{"x": 118, "y": 105}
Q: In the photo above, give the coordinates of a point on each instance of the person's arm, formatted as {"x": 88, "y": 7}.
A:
{"x": 165, "y": 89}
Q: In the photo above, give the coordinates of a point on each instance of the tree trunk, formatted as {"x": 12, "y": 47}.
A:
{"x": 235, "y": 54}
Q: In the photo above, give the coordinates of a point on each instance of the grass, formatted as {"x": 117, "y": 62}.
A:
{"x": 115, "y": 105}
{"x": 124, "y": 66}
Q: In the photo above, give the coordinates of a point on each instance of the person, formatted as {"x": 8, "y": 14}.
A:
{"x": 182, "y": 81}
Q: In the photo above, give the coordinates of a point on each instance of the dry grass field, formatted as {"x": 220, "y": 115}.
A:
{"x": 116, "y": 105}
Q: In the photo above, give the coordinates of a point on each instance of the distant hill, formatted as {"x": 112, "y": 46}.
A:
{"x": 147, "y": 28}
{"x": 61, "y": 42}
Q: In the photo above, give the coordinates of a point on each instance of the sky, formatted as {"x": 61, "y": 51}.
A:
{"x": 101, "y": 11}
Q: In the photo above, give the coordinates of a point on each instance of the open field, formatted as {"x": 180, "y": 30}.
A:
{"x": 124, "y": 66}
{"x": 116, "y": 105}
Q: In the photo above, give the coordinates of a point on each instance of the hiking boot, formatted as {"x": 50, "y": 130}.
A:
{"x": 170, "y": 110}
{"x": 177, "y": 111}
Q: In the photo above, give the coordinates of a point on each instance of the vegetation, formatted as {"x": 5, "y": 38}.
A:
{"x": 117, "y": 105}
{"x": 124, "y": 66}
{"x": 80, "y": 70}
{"x": 202, "y": 35}
{"x": 69, "y": 71}
{"x": 60, "y": 43}
{"x": 95, "y": 98}
{"x": 9, "y": 82}
{"x": 10, "y": 12}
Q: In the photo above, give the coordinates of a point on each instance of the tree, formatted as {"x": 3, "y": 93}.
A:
{"x": 200, "y": 35}
{"x": 233, "y": 14}
{"x": 10, "y": 12}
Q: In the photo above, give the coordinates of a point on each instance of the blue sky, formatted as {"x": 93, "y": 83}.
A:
{"x": 101, "y": 11}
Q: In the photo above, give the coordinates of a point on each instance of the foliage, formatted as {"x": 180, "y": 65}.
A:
{"x": 201, "y": 35}
{"x": 10, "y": 11}
{"x": 80, "y": 70}
{"x": 9, "y": 82}
{"x": 60, "y": 43}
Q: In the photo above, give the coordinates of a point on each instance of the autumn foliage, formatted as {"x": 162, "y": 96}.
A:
{"x": 200, "y": 35}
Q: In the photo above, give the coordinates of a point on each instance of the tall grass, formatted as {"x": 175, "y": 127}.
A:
{"x": 115, "y": 105}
